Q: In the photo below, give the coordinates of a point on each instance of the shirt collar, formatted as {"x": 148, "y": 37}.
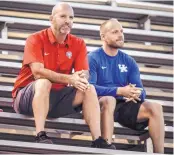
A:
{"x": 53, "y": 40}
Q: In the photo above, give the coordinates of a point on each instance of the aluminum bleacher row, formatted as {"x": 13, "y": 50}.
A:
{"x": 168, "y": 2}
{"x": 148, "y": 38}
{"x": 94, "y": 11}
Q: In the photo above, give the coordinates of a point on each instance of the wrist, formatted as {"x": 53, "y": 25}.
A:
{"x": 119, "y": 91}
{"x": 70, "y": 80}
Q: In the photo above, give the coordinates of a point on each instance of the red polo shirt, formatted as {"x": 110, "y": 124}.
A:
{"x": 62, "y": 58}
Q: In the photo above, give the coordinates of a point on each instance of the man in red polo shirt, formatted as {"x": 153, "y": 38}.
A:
{"x": 45, "y": 85}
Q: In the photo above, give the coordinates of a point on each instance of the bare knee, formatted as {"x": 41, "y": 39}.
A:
{"x": 42, "y": 86}
{"x": 154, "y": 109}
{"x": 91, "y": 91}
{"x": 108, "y": 103}
{"x": 87, "y": 95}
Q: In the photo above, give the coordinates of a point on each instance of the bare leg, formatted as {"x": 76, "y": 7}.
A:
{"x": 108, "y": 104}
{"x": 91, "y": 110}
{"x": 40, "y": 103}
{"x": 154, "y": 113}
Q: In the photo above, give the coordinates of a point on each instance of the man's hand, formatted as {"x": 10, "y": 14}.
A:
{"x": 130, "y": 93}
{"x": 85, "y": 75}
{"x": 132, "y": 99}
{"x": 78, "y": 81}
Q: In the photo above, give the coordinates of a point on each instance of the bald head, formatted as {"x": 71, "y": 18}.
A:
{"x": 62, "y": 18}
{"x": 108, "y": 25}
{"x": 61, "y": 6}
{"x": 111, "y": 33}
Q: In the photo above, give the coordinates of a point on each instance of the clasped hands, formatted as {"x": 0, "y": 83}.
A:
{"x": 79, "y": 81}
{"x": 129, "y": 92}
{"x": 132, "y": 93}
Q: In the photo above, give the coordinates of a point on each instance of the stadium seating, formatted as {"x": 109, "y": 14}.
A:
{"x": 151, "y": 46}
{"x": 80, "y": 20}
{"x": 72, "y": 124}
{"x": 93, "y": 11}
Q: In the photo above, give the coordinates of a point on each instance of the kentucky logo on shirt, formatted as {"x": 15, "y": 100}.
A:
{"x": 122, "y": 68}
{"x": 69, "y": 54}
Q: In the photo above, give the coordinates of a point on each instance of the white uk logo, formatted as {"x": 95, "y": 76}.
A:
{"x": 122, "y": 68}
{"x": 103, "y": 67}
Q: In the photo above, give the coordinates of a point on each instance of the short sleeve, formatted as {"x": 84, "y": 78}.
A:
{"x": 81, "y": 62}
{"x": 33, "y": 50}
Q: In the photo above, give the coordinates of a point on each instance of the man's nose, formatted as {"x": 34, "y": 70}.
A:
{"x": 121, "y": 35}
{"x": 67, "y": 20}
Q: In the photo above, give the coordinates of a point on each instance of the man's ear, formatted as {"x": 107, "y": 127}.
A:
{"x": 51, "y": 18}
{"x": 102, "y": 36}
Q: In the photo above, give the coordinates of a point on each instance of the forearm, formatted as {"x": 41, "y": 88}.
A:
{"x": 105, "y": 91}
{"x": 86, "y": 74}
{"x": 53, "y": 76}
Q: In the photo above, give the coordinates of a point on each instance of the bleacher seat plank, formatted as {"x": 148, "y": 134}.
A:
{"x": 156, "y": 71}
{"x": 80, "y": 141}
{"x": 161, "y": 28}
{"x": 80, "y": 20}
{"x": 169, "y": 2}
{"x": 65, "y": 141}
{"x": 144, "y": 5}
{"x": 76, "y": 19}
{"x": 148, "y": 80}
{"x": 167, "y": 105}
{"x": 6, "y": 105}
{"x": 13, "y": 58}
{"x": 135, "y": 46}
{"x": 90, "y": 10}
{"x": 73, "y": 124}
{"x": 28, "y": 147}
{"x": 89, "y": 30}
{"x": 6, "y": 79}
{"x": 168, "y": 71}
{"x": 67, "y": 124}
{"x": 127, "y": 45}
{"x": 140, "y": 57}
{"x": 5, "y": 91}
{"x": 99, "y": 2}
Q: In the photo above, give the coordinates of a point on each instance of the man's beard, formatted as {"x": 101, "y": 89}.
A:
{"x": 61, "y": 29}
{"x": 115, "y": 46}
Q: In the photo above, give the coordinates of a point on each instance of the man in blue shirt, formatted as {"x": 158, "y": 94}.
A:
{"x": 116, "y": 78}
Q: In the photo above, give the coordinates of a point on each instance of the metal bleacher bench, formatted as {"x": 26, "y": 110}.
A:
{"x": 89, "y": 30}
{"x": 165, "y": 71}
{"x": 164, "y": 82}
{"x": 81, "y": 20}
{"x": 18, "y": 121}
{"x": 94, "y": 11}
{"x": 16, "y": 130}
{"x": 37, "y": 148}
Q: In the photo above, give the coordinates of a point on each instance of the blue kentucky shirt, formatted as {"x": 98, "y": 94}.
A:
{"x": 107, "y": 73}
